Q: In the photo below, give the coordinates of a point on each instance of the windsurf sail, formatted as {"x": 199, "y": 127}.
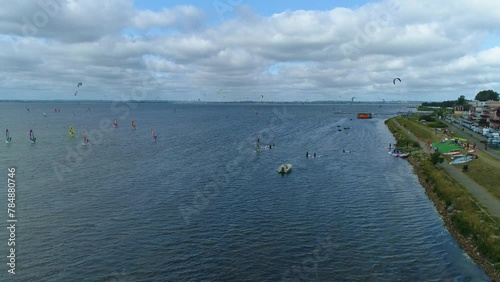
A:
{"x": 115, "y": 123}
{"x": 7, "y": 137}
{"x": 153, "y": 134}
{"x": 71, "y": 131}
{"x": 133, "y": 124}
{"x": 85, "y": 140}
{"x": 32, "y": 136}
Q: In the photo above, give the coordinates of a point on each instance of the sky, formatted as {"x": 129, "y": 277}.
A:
{"x": 240, "y": 50}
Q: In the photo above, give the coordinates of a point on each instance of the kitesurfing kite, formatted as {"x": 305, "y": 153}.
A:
{"x": 394, "y": 80}
{"x": 77, "y": 86}
{"x": 352, "y": 99}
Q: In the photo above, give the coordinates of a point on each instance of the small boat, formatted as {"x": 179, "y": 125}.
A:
{"x": 285, "y": 168}
{"x": 452, "y": 152}
{"x": 71, "y": 131}
{"x": 394, "y": 153}
{"x": 403, "y": 155}
{"x": 364, "y": 115}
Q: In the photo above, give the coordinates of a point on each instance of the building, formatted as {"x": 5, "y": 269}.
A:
{"x": 458, "y": 110}
{"x": 489, "y": 111}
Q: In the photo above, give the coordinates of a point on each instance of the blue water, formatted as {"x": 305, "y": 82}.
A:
{"x": 201, "y": 205}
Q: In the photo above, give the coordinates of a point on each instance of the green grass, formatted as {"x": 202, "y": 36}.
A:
{"x": 446, "y": 147}
{"x": 485, "y": 175}
{"x": 415, "y": 127}
{"x": 436, "y": 124}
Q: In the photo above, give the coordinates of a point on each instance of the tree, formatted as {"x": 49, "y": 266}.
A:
{"x": 436, "y": 158}
{"x": 486, "y": 95}
{"x": 461, "y": 100}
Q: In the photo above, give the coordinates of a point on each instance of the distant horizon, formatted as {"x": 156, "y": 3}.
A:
{"x": 208, "y": 102}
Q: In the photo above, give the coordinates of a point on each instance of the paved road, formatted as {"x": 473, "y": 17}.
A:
{"x": 482, "y": 195}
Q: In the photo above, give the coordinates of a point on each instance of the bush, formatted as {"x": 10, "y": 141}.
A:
{"x": 436, "y": 124}
{"x": 428, "y": 117}
{"x": 436, "y": 158}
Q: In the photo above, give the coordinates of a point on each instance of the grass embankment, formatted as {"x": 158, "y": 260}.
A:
{"x": 477, "y": 232}
{"x": 485, "y": 175}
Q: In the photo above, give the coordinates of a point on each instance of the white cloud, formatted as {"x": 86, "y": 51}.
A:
{"x": 180, "y": 16}
{"x": 295, "y": 55}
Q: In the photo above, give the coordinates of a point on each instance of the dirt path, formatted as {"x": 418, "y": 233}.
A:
{"x": 484, "y": 197}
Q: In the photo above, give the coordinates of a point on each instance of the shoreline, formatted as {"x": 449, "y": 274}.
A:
{"x": 430, "y": 186}
{"x": 466, "y": 244}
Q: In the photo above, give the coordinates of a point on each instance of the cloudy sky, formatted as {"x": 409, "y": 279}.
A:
{"x": 234, "y": 50}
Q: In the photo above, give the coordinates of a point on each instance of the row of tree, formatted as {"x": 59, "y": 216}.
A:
{"x": 485, "y": 95}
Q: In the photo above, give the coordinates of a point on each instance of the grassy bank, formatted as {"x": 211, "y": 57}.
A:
{"x": 476, "y": 231}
